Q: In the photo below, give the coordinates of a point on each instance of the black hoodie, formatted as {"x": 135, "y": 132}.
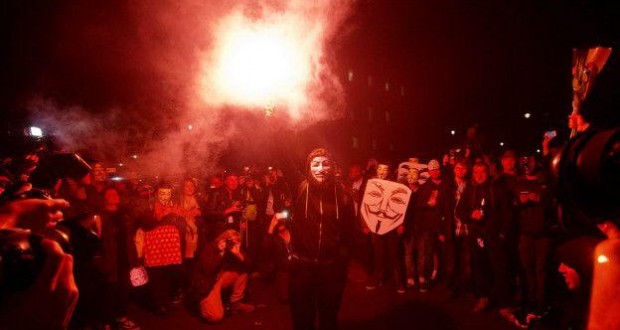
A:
{"x": 322, "y": 223}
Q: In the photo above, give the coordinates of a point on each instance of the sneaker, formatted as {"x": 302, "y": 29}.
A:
{"x": 400, "y": 289}
{"x": 481, "y": 304}
{"x": 125, "y": 323}
{"x": 410, "y": 283}
{"x": 424, "y": 287}
{"x": 241, "y": 307}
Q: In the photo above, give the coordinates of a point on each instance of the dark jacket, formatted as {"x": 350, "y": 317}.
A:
{"x": 322, "y": 224}
{"x": 534, "y": 218}
{"x": 430, "y": 218}
{"x": 117, "y": 253}
{"x": 497, "y": 210}
{"x": 219, "y": 202}
{"x": 210, "y": 264}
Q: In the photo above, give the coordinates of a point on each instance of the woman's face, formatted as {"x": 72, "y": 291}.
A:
{"x": 189, "y": 188}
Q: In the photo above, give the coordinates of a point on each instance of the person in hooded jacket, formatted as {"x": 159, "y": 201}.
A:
{"x": 321, "y": 229}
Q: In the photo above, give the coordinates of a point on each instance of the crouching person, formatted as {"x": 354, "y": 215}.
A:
{"x": 221, "y": 270}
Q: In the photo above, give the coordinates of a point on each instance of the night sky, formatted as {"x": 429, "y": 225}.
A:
{"x": 461, "y": 61}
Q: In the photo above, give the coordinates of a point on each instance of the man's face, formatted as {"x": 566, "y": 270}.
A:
{"x": 460, "y": 171}
{"x": 232, "y": 182}
{"x": 112, "y": 197}
{"x": 384, "y": 204}
{"x": 508, "y": 163}
{"x": 481, "y": 174}
{"x": 355, "y": 173}
{"x": 99, "y": 173}
{"x": 571, "y": 277}
{"x": 164, "y": 195}
{"x": 383, "y": 171}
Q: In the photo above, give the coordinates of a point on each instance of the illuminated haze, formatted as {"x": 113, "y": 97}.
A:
{"x": 135, "y": 76}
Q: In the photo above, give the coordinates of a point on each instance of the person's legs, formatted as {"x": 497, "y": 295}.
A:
{"x": 211, "y": 307}
{"x": 394, "y": 247}
{"x": 282, "y": 283}
{"x": 425, "y": 258}
{"x": 302, "y": 295}
{"x": 481, "y": 276}
{"x": 379, "y": 248}
{"x": 543, "y": 251}
{"x": 409, "y": 245}
{"x": 527, "y": 254}
{"x": 330, "y": 282}
{"x": 498, "y": 257}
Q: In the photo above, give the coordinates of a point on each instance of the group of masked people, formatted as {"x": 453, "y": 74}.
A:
{"x": 165, "y": 237}
{"x": 481, "y": 226}
{"x": 486, "y": 226}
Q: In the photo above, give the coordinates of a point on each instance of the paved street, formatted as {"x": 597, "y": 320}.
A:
{"x": 380, "y": 309}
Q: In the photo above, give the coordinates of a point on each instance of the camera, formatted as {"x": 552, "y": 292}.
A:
{"x": 22, "y": 257}
{"x": 586, "y": 174}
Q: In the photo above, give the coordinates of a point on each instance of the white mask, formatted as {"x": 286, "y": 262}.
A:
{"x": 321, "y": 168}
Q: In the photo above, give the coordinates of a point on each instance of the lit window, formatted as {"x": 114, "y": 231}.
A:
{"x": 391, "y": 146}
{"x": 369, "y": 80}
{"x": 374, "y": 144}
{"x": 387, "y": 86}
{"x": 350, "y": 75}
{"x": 355, "y": 143}
{"x": 370, "y": 114}
{"x": 402, "y": 90}
{"x": 387, "y": 116}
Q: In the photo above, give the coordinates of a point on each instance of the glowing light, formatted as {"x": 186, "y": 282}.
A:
{"x": 602, "y": 259}
{"x": 501, "y": 144}
{"x": 538, "y": 150}
{"x": 134, "y": 156}
{"x": 527, "y": 115}
{"x": 258, "y": 62}
{"x": 189, "y": 127}
{"x": 453, "y": 132}
{"x": 36, "y": 131}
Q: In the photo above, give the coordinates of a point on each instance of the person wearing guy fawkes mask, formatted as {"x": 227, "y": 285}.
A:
{"x": 95, "y": 185}
{"x": 386, "y": 247}
{"x": 321, "y": 227}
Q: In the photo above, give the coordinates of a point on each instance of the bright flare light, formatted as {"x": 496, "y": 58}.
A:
{"x": 271, "y": 60}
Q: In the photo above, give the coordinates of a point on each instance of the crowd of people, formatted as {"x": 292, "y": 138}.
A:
{"x": 475, "y": 223}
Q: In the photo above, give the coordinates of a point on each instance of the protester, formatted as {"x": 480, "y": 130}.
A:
{"x": 387, "y": 248}
{"x": 429, "y": 226}
{"x": 319, "y": 231}
{"x": 221, "y": 266}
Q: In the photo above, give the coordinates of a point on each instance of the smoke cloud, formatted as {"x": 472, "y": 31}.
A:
{"x": 146, "y": 77}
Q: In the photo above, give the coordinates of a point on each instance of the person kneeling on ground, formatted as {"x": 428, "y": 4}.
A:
{"x": 221, "y": 266}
